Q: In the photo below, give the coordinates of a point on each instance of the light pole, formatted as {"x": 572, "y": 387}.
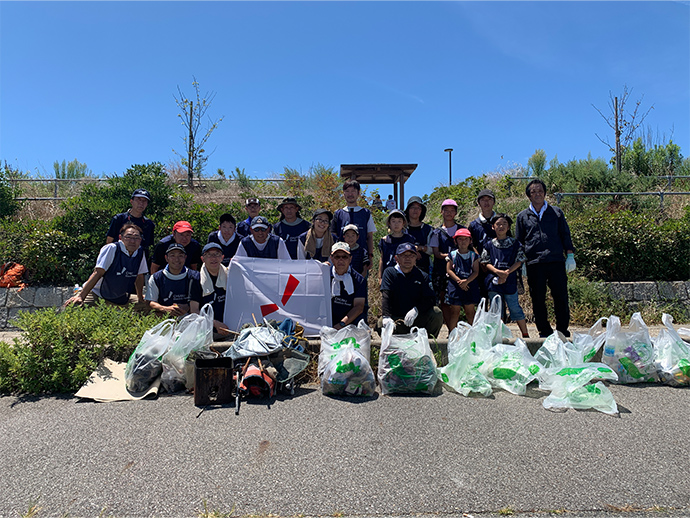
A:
{"x": 450, "y": 165}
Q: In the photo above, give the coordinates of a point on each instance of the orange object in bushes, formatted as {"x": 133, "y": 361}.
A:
{"x": 11, "y": 275}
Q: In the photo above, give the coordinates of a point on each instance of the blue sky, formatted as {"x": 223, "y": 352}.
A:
{"x": 300, "y": 83}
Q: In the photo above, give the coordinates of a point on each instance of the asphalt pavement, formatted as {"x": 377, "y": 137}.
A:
{"x": 313, "y": 455}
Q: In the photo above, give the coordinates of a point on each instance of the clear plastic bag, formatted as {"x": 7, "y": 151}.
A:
{"x": 562, "y": 380}
{"x": 556, "y": 351}
{"x": 144, "y": 365}
{"x": 406, "y": 363}
{"x": 596, "y": 396}
{"x": 672, "y": 355}
{"x": 348, "y": 374}
{"x": 466, "y": 345}
{"x": 332, "y": 342}
{"x": 194, "y": 332}
{"x": 588, "y": 344}
{"x": 510, "y": 367}
{"x": 630, "y": 353}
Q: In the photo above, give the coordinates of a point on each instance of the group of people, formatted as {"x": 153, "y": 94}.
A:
{"x": 426, "y": 275}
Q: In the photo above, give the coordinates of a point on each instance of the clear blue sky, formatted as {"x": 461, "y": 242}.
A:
{"x": 336, "y": 82}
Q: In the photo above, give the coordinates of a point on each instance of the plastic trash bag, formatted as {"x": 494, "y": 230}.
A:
{"x": 630, "y": 353}
{"x": 193, "y": 332}
{"x": 596, "y": 396}
{"x": 348, "y": 374}
{"x": 344, "y": 361}
{"x": 488, "y": 326}
{"x": 562, "y": 380}
{"x": 144, "y": 365}
{"x": 466, "y": 346}
{"x": 672, "y": 355}
{"x": 510, "y": 367}
{"x": 256, "y": 341}
{"x": 556, "y": 351}
{"x": 332, "y": 341}
{"x": 406, "y": 363}
{"x": 589, "y": 343}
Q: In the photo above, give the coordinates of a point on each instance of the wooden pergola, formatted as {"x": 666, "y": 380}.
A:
{"x": 395, "y": 174}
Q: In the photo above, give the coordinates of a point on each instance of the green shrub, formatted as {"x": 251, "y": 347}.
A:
{"x": 9, "y": 206}
{"x": 631, "y": 246}
{"x": 60, "y": 349}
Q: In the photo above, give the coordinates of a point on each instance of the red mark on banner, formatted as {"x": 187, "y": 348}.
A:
{"x": 290, "y": 288}
{"x": 267, "y": 309}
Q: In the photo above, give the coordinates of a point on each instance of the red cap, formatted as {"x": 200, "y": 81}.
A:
{"x": 182, "y": 226}
{"x": 462, "y": 232}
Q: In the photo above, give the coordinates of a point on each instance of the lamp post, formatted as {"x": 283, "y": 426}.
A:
{"x": 450, "y": 165}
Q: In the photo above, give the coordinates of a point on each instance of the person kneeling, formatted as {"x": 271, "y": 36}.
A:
{"x": 407, "y": 297}
{"x": 175, "y": 289}
{"x": 348, "y": 289}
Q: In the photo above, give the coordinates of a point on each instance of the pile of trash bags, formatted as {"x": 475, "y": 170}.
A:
{"x": 478, "y": 361}
{"x": 163, "y": 351}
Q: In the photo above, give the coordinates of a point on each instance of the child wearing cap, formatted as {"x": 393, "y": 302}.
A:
{"x": 397, "y": 235}
{"x": 360, "y": 256}
{"x": 503, "y": 256}
{"x": 462, "y": 268}
{"x": 442, "y": 243}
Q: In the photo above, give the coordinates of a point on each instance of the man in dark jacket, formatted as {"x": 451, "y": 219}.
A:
{"x": 406, "y": 295}
{"x": 545, "y": 235}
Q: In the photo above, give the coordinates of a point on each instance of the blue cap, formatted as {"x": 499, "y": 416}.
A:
{"x": 405, "y": 247}
{"x": 175, "y": 246}
{"x": 210, "y": 246}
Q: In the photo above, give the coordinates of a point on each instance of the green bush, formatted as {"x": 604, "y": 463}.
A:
{"x": 9, "y": 206}
{"x": 631, "y": 246}
{"x": 58, "y": 350}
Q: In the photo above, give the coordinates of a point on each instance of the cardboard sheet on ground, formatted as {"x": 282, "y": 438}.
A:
{"x": 107, "y": 383}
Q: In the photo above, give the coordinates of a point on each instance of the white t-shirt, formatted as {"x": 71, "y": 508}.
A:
{"x": 106, "y": 257}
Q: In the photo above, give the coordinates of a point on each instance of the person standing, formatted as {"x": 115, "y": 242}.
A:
{"x": 442, "y": 243}
{"x": 352, "y": 213}
{"x": 316, "y": 243}
{"x": 291, "y": 225}
{"x": 420, "y": 231}
{"x": 226, "y": 237}
{"x": 262, "y": 243}
{"x": 139, "y": 202}
{"x": 544, "y": 233}
{"x": 390, "y": 203}
{"x": 253, "y": 208}
{"x": 397, "y": 234}
{"x": 481, "y": 228}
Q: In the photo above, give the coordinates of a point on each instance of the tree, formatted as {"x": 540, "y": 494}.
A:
{"x": 71, "y": 170}
{"x": 624, "y": 125}
{"x": 536, "y": 164}
{"x": 193, "y": 116}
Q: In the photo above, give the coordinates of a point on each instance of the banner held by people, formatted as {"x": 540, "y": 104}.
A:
{"x": 278, "y": 289}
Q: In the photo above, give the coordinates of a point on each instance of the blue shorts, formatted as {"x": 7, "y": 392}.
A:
{"x": 458, "y": 297}
{"x": 511, "y": 302}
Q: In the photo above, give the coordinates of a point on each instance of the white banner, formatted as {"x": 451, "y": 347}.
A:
{"x": 278, "y": 289}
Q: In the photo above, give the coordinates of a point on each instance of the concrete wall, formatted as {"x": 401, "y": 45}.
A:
{"x": 13, "y": 300}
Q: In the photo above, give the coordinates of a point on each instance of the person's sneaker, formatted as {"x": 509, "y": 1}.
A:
{"x": 566, "y": 333}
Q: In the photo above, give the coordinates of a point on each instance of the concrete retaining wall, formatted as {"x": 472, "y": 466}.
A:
{"x": 13, "y": 300}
